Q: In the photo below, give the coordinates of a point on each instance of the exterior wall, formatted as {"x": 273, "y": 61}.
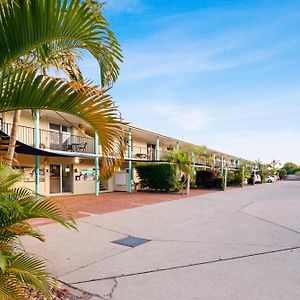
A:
{"x": 120, "y": 180}
{"x": 78, "y": 186}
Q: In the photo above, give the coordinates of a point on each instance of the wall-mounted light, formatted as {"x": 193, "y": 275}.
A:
{"x": 77, "y": 160}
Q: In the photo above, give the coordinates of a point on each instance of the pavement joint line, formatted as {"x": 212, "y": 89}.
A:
{"x": 95, "y": 261}
{"x": 246, "y": 205}
{"x": 106, "y": 228}
{"x": 270, "y": 222}
{"x": 217, "y": 243}
{"x": 219, "y": 260}
{"x": 103, "y": 227}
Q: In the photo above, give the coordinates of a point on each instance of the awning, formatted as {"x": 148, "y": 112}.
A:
{"x": 29, "y": 150}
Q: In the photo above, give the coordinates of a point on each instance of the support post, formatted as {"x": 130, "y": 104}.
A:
{"x": 157, "y": 149}
{"x": 214, "y": 161}
{"x": 222, "y": 164}
{"x": 204, "y": 161}
{"x": 243, "y": 176}
{"x": 36, "y": 117}
{"x": 193, "y": 163}
{"x": 129, "y": 184}
{"x": 97, "y": 179}
{"x": 225, "y": 179}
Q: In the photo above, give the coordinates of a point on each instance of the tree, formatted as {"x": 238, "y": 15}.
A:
{"x": 33, "y": 36}
{"x": 291, "y": 168}
{"x": 262, "y": 169}
{"x": 35, "y": 29}
{"x": 182, "y": 162}
{"x": 19, "y": 269}
{"x": 273, "y": 166}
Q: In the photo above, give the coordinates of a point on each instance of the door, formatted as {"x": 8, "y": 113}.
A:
{"x": 66, "y": 179}
{"x": 61, "y": 178}
{"x": 55, "y": 179}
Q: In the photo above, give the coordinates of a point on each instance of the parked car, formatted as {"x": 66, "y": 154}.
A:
{"x": 257, "y": 178}
{"x": 270, "y": 179}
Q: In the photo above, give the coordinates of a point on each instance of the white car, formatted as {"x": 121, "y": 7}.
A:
{"x": 257, "y": 178}
{"x": 270, "y": 179}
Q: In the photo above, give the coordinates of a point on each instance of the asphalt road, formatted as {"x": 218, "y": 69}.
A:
{"x": 239, "y": 244}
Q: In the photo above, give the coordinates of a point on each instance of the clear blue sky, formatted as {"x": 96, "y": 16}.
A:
{"x": 221, "y": 73}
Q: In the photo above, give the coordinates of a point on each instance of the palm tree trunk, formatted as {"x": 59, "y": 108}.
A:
{"x": 13, "y": 137}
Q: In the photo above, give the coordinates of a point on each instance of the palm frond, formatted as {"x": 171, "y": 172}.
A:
{"x": 26, "y": 26}
{"x": 31, "y": 271}
{"x": 24, "y": 89}
{"x": 7, "y": 179}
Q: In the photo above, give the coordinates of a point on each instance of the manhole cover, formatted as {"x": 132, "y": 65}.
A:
{"x": 131, "y": 241}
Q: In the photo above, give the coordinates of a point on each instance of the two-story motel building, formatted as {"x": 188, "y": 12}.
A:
{"x": 58, "y": 154}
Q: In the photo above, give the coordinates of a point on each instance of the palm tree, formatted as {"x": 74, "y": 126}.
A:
{"x": 35, "y": 29}
{"x": 66, "y": 61}
{"x": 182, "y": 163}
{"x": 19, "y": 269}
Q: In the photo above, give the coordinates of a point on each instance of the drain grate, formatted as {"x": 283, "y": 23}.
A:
{"x": 131, "y": 241}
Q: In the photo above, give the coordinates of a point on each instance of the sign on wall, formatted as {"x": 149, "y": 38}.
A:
{"x": 29, "y": 174}
{"x": 87, "y": 174}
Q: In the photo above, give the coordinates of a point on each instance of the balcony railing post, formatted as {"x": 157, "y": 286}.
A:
{"x": 96, "y": 145}
{"x": 129, "y": 185}
{"x": 36, "y": 116}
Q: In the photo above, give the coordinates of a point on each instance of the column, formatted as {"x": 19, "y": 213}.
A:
{"x": 214, "y": 160}
{"x": 222, "y": 164}
{"x": 96, "y": 146}
{"x": 129, "y": 184}
{"x": 36, "y": 117}
{"x": 157, "y": 149}
{"x": 193, "y": 163}
{"x": 177, "y": 145}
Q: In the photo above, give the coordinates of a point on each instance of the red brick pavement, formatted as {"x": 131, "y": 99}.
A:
{"x": 89, "y": 204}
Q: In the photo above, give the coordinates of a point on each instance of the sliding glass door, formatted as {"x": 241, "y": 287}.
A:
{"x": 61, "y": 179}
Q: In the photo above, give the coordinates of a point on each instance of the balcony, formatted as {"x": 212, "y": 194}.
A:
{"x": 64, "y": 141}
{"x": 53, "y": 140}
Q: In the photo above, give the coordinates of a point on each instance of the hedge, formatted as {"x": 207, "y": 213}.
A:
{"x": 156, "y": 176}
{"x": 208, "y": 179}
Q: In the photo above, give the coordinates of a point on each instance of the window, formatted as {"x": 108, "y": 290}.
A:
{"x": 60, "y": 136}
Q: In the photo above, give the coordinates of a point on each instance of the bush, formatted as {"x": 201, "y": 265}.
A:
{"x": 208, "y": 179}
{"x": 282, "y": 173}
{"x": 219, "y": 184}
{"x": 236, "y": 177}
{"x": 156, "y": 176}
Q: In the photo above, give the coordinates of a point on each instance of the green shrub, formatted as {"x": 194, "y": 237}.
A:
{"x": 290, "y": 168}
{"x": 208, "y": 179}
{"x": 282, "y": 173}
{"x": 156, "y": 176}
{"x": 219, "y": 184}
{"x": 235, "y": 177}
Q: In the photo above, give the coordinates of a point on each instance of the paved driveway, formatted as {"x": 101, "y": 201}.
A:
{"x": 239, "y": 244}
